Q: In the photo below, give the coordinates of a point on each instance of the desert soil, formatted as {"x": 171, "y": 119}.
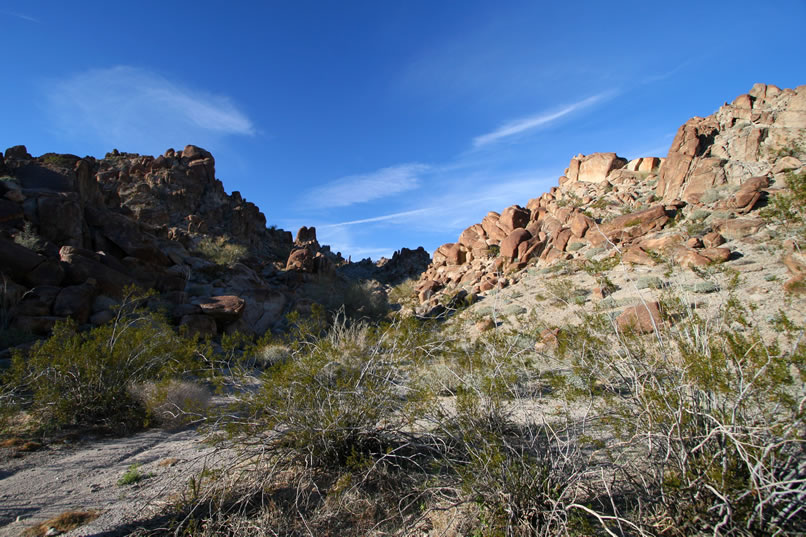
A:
{"x": 83, "y": 475}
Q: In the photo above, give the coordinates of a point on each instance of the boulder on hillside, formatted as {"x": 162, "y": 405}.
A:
{"x": 225, "y": 308}
{"x": 593, "y": 168}
{"x": 509, "y": 246}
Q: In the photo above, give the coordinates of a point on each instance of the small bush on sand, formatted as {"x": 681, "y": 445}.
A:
{"x": 84, "y": 378}
{"x": 172, "y": 403}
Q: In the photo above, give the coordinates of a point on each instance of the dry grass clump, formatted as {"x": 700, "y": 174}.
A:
{"x": 173, "y": 403}
{"x": 67, "y": 521}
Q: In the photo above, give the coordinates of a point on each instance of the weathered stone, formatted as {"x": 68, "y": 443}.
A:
{"x": 691, "y": 140}
{"x": 18, "y": 261}
{"x": 80, "y": 265}
{"x": 712, "y": 239}
{"x": 224, "y": 308}
{"x": 512, "y": 218}
{"x": 579, "y": 224}
{"x": 739, "y": 228}
{"x": 637, "y": 256}
{"x": 594, "y": 168}
{"x": 509, "y": 246}
{"x": 689, "y": 258}
{"x": 35, "y": 325}
{"x": 785, "y": 164}
{"x": 646, "y": 317}
{"x": 75, "y": 301}
{"x": 301, "y": 259}
{"x": 199, "y": 325}
{"x": 11, "y": 213}
{"x": 716, "y": 255}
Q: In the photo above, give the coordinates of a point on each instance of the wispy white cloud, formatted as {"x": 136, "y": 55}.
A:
{"x": 22, "y": 16}
{"x": 532, "y": 122}
{"x": 382, "y": 218}
{"x": 130, "y": 107}
{"x": 367, "y": 187}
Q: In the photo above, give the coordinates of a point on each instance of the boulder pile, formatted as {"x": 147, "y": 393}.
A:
{"x": 718, "y": 172}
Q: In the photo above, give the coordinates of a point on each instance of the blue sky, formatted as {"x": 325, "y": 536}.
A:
{"x": 384, "y": 124}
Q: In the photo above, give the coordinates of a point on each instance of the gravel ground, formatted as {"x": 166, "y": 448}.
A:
{"x": 84, "y": 475}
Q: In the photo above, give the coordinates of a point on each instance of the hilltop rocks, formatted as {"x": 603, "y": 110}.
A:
{"x": 225, "y": 309}
{"x": 682, "y": 208}
{"x": 593, "y": 168}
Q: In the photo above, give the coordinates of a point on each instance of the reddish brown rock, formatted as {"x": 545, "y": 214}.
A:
{"x": 694, "y": 242}
{"x": 747, "y": 196}
{"x": 491, "y": 227}
{"x": 637, "y": 256}
{"x": 301, "y": 259}
{"x": 644, "y": 318}
{"x": 716, "y": 255}
{"x": 689, "y": 258}
{"x": 81, "y": 265}
{"x": 484, "y": 325}
{"x": 691, "y": 140}
{"x": 713, "y": 239}
{"x": 705, "y": 173}
{"x": 509, "y": 246}
{"x": 225, "y": 308}
{"x": 579, "y": 224}
{"x": 427, "y": 289}
{"x": 512, "y": 218}
{"x": 561, "y": 239}
{"x": 18, "y": 261}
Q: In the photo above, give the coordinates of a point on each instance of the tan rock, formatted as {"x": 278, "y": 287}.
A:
{"x": 785, "y": 164}
{"x": 712, "y": 239}
{"x": 739, "y": 228}
{"x": 594, "y": 168}
{"x": 689, "y": 258}
{"x": 225, "y": 308}
{"x": 301, "y": 259}
{"x": 644, "y": 318}
{"x": 484, "y": 325}
{"x": 716, "y": 255}
{"x": 690, "y": 141}
{"x": 637, "y": 256}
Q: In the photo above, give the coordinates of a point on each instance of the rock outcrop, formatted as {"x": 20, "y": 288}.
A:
{"x": 708, "y": 189}
{"x": 75, "y": 232}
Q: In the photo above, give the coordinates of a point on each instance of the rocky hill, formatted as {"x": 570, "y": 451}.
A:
{"x": 694, "y": 212}
{"x": 75, "y": 232}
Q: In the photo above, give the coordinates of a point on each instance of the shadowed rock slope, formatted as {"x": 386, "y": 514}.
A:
{"x": 75, "y": 232}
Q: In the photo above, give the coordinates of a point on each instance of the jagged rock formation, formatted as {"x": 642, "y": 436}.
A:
{"x": 718, "y": 172}
{"x": 74, "y": 232}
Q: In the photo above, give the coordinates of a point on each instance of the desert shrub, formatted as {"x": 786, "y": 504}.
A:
{"x": 357, "y": 299}
{"x": 404, "y": 292}
{"x": 563, "y": 291}
{"x": 221, "y": 250}
{"x": 717, "y": 193}
{"x": 708, "y": 422}
{"x": 172, "y": 403}
{"x": 29, "y": 238}
{"x": 83, "y": 378}
{"x": 789, "y": 208}
{"x": 60, "y": 160}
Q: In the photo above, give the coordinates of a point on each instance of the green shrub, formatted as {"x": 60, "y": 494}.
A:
{"x": 29, "y": 238}
{"x": 132, "y": 475}
{"x": 221, "y": 250}
{"x": 84, "y": 378}
{"x": 709, "y": 422}
{"x": 789, "y": 208}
